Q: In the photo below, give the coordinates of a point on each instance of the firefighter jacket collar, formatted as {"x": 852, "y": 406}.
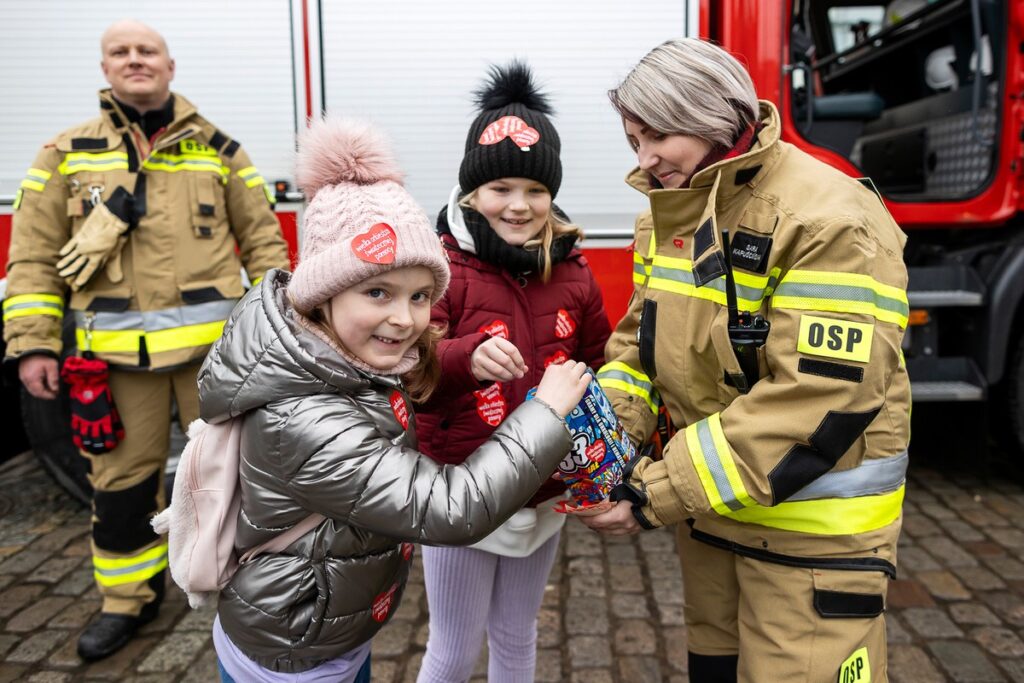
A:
{"x": 730, "y": 174}
{"x": 115, "y": 116}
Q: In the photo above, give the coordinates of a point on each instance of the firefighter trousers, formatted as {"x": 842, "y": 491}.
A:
{"x": 752, "y": 620}
{"x": 129, "y": 558}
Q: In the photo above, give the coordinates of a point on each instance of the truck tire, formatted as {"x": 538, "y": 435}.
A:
{"x": 1012, "y": 399}
{"x": 48, "y": 425}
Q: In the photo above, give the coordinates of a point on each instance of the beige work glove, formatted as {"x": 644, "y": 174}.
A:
{"x": 100, "y": 240}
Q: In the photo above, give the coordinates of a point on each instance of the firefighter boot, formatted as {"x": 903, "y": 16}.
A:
{"x": 109, "y": 632}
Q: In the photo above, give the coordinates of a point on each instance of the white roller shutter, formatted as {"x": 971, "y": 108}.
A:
{"x": 234, "y": 62}
{"x": 411, "y": 67}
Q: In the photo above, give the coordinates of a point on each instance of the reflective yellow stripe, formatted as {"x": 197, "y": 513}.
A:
{"x": 35, "y": 179}
{"x": 33, "y": 304}
{"x": 641, "y": 270}
{"x": 828, "y": 516}
{"x": 172, "y": 163}
{"x": 842, "y": 293}
{"x": 159, "y": 341}
{"x": 712, "y": 459}
{"x": 252, "y": 177}
{"x": 672, "y": 274}
{"x": 270, "y": 194}
{"x": 110, "y": 571}
{"x": 184, "y": 337}
{"x": 93, "y": 161}
{"x": 619, "y": 376}
{"x": 17, "y": 198}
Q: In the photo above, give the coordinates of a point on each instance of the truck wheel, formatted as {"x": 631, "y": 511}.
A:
{"x": 1012, "y": 399}
{"x": 48, "y": 425}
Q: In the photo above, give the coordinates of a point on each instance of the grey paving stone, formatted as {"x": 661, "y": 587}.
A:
{"x": 663, "y": 565}
{"x": 964, "y": 662}
{"x": 549, "y": 628}
{"x": 36, "y": 614}
{"x": 549, "y": 666}
{"x": 660, "y": 540}
{"x": 589, "y": 651}
{"x": 1008, "y": 568}
{"x": 937, "y": 510}
{"x": 35, "y": 647}
{"x": 635, "y": 637}
{"x": 895, "y": 631}
{"x": 960, "y": 530}
{"x": 984, "y": 517}
{"x": 979, "y": 578}
{"x": 1014, "y": 669}
{"x": 54, "y": 569}
{"x": 592, "y": 676}
{"x": 668, "y": 589}
{"x": 916, "y": 559}
{"x": 204, "y": 670}
{"x": 670, "y": 615}
{"x": 919, "y": 526}
{"x": 625, "y": 578}
{"x": 198, "y": 620}
{"x": 7, "y": 642}
{"x": 1001, "y": 642}
{"x": 393, "y": 640}
{"x": 1007, "y": 605}
{"x": 622, "y": 554}
{"x": 23, "y": 562}
{"x": 589, "y": 585}
{"x": 65, "y": 656}
{"x": 943, "y": 584}
{"x": 931, "y": 622}
{"x": 973, "y": 613}
{"x": 584, "y": 616}
{"x": 170, "y": 614}
{"x": 11, "y": 672}
{"x": 675, "y": 648}
{"x": 640, "y": 670}
{"x": 586, "y": 566}
{"x": 381, "y": 670}
{"x": 628, "y": 606}
{"x": 174, "y": 652}
{"x": 584, "y": 545}
{"x": 1007, "y": 537}
{"x": 949, "y": 553}
{"x": 17, "y": 596}
{"x": 77, "y": 582}
{"x": 49, "y": 677}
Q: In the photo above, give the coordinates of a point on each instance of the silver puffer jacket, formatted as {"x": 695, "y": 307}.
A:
{"x": 322, "y": 436}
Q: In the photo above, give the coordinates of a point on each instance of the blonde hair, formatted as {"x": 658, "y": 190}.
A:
{"x": 692, "y": 87}
{"x": 553, "y": 228}
{"x": 422, "y": 379}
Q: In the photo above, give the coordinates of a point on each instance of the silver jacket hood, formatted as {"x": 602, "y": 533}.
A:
{"x": 322, "y": 436}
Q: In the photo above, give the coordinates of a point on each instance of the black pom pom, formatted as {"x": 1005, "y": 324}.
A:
{"x": 512, "y": 83}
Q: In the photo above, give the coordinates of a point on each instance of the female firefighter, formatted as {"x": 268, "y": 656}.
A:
{"x": 767, "y": 317}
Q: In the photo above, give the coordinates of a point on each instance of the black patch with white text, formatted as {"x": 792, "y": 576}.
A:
{"x": 750, "y": 252}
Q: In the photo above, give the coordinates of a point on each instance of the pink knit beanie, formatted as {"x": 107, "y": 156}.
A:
{"x": 360, "y": 221}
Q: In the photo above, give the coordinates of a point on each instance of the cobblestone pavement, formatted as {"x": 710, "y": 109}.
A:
{"x": 613, "y": 609}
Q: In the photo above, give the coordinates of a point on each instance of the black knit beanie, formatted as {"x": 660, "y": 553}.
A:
{"x": 512, "y": 137}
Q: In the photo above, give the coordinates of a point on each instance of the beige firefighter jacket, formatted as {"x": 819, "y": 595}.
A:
{"x": 811, "y": 462}
{"x": 182, "y": 272}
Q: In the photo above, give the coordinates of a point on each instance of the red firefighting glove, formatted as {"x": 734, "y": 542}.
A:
{"x": 95, "y": 424}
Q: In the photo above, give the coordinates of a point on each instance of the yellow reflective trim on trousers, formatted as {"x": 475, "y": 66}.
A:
{"x": 24, "y": 305}
{"x": 828, "y": 516}
{"x": 159, "y": 341}
{"x": 93, "y": 161}
{"x": 111, "y": 571}
{"x": 842, "y": 293}
{"x": 17, "y": 198}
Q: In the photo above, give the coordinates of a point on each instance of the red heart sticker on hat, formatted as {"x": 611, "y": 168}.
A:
{"x": 376, "y": 245}
{"x": 564, "y": 324}
{"x": 510, "y": 127}
{"x": 399, "y": 408}
{"x": 497, "y": 328}
{"x": 491, "y": 406}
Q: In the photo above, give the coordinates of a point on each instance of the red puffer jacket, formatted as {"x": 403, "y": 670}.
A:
{"x": 558, "y": 320}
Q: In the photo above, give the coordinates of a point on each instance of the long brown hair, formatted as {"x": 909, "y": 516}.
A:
{"x": 422, "y": 379}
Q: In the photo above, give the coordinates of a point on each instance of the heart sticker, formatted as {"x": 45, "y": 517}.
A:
{"x": 376, "y": 245}
{"x": 564, "y": 324}
{"x": 399, "y": 408}
{"x": 678, "y": 243}
{"x": 382, "y": 604}
{"x": 510, "y": 127}
{"x": 491, "y": 406}
{"x": 497, "y": 328}
{"x": 558, "y": 356}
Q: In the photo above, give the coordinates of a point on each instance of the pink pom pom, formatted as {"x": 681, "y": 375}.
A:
{"x": 332, "y": 151}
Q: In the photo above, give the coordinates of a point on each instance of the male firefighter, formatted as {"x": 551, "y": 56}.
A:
{"x": 147, "y": 214}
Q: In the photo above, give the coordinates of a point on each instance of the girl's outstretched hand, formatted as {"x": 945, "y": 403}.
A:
{"x": 497, "y": 360}
{"x": 562, "y": 386}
